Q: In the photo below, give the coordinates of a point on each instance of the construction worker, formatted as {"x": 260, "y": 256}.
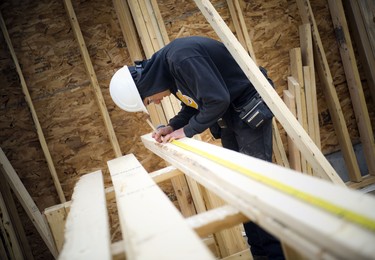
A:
{"x": 215, "y": 94}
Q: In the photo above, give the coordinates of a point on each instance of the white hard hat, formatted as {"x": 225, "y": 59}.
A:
{"x": 124, "y": 92}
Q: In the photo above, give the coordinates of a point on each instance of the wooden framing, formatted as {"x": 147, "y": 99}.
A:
{"x": 362, "y": 30}
{"x": 15, "y": 220}
{"x": 27, "y": 202}
{"x": 127, "y": 28}
{"x": 297, "y": 73}
{"x": 224, "y": 216}
{"x": 87, "y": 233}
{"x": 57, "y": 214}
{"x": 330, "y": 93}
{"x": 310, "y": 84}
{"x": 354, "y": 82}
{"x": 294, "y": 154}
{"x": 298, "y": 222}
{"x": 94, "y": 81}
{"x": 307, "y": 147}
{"x": 29, "y": 102}
{"x": 8, "y": 232}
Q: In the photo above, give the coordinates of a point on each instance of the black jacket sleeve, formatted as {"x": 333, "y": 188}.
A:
{"x": 183, "y": 117}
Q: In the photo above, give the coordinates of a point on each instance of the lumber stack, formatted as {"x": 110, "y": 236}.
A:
{"x": 308, "y": 215}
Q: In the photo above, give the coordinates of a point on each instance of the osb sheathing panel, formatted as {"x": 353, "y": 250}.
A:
{"x": 60, "y": 88}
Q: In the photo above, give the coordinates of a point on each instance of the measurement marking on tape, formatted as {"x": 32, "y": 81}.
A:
{"x": 339, "y": 211}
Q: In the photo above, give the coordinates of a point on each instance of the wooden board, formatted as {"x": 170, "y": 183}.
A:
{"x": 87, "y": 227}
{"x": 166, "y": 235}
{"x": 27, "y": 202}
{"x": 299, "y": 223}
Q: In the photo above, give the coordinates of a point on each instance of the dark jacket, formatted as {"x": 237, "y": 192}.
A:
{"x": 203, "y": 75}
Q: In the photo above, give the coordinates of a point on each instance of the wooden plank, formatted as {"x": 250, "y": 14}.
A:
{"x": 182, "y": 192}
{"x": 9, "y": 234}
{"x": 245, "y": 32}
{"x": 3, "y": 251}
{"x": 87, "y": 234}
{"x": 294, "y": 154}
{"x": 34, "y": 115}
{"x": 217, "y": 219}
{"x": 270, "y": 96}
{"x": 252, "y": 186}
{"x": 127, "y": 27}
{"x": 15, "y": 219}
{"x": 56, "y": 217}
{"x": 93, "y": 79}
{"x": 300, "y": 107}
{"x": 160, "y": 22}
{"x": 366, "y": 180}
{"x": 367, "y": 8}
{"x": 278, "y": 147}
{"x": 236, "y": 23}
{"x": 366, "y": 15}
{"x": 243, "y": 255}
{"x": 57, "y": 214}
{"x": 141, "y": 28}
{"x": 167, "y": 236}
{"x": 229, "y": 241}
{"x": 330, "y": 93}
{"x": 297, "y": 74}
{"x": 27, "y": 203}
{"x": 354, "y": 82}
{"x": 310, "y": 89}
{"x": 151, "y": 26}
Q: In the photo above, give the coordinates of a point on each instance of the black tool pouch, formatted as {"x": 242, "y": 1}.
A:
{"x": 255, "y": 113}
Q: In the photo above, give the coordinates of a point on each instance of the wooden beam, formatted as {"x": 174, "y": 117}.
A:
{"x": 251, "y": 185}
{"x": 15, "y": 219}
{"x": 141, "y": 28}
{"x": 118, "y": 251}
{"x": 127, "y": 28}
{"x": 354, "y": 82}
{"x": 57, "y": 214}
{"x": 56, "y": 217}
{"x": 366, "y": 8}
{"x": 27, "y": 202}
{"x": 217, "y": 219}
{"x": 317, "y": 160}
{"x": 310, "y": 89}
{"x": 236, "y": 23}
{"x": 330, "y": 93}
{"x": 229, "y": 241}
{"x": 87, "y": 234}
{"x": 167, "y": 236}
{"x": 361, "y": 23}
{"x": 294, "y": 154}
{"x": 93, "y": 79}
{"x": 278, "y": 146}
{"x": 9, "y": 234}
{"x": 34, "y": 115}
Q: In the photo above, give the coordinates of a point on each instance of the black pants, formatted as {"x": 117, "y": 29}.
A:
{"x": 238, "y": 136}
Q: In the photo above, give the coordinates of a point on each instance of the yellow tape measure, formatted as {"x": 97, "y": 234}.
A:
{"x": 344, "y": 213}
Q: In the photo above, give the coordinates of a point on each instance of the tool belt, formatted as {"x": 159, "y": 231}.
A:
{"x": 255, "y": 112}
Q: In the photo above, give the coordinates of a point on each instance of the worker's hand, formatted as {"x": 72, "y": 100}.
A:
{"x": 159, "y": 133}
{"x": 178, "y": 134}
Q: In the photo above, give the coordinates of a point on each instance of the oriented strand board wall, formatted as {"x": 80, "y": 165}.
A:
{"x": 64, "y": 101}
